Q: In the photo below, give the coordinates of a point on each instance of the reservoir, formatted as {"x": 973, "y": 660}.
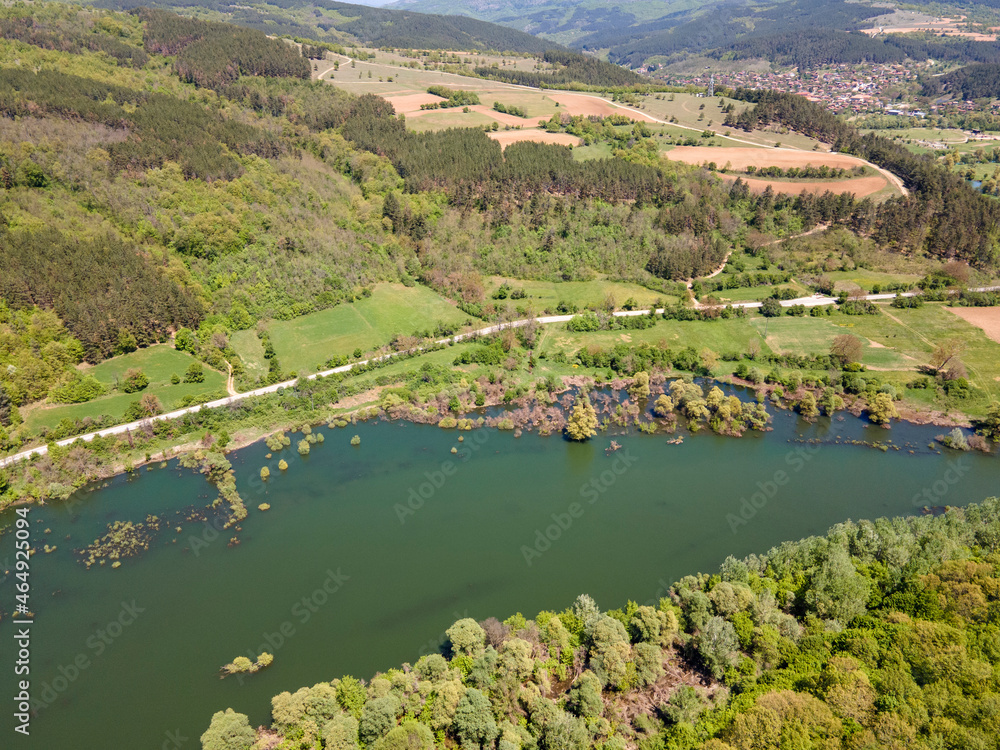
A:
{"x": 368, "y": 553}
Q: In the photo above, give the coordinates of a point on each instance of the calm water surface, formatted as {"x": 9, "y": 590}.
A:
{"x": 352, "y": 571}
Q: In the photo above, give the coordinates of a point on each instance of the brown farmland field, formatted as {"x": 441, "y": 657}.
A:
{"x": 860, "y": 186}
{"x": 741, "y": 158}
{"x": 985, "y": 318}
{"x": 507, "y": 137}
{"x": 581, "y": 104}
{"x": 408, "y": 104}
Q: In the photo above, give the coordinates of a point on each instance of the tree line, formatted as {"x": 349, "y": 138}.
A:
{"x": 109, "y": 298}
{"x": 472, "y": 165}
{"x": 570, "y": 69}
{"x": 215, "y": 54}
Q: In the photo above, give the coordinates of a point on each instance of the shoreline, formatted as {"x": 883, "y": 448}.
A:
{"x": 245, "y": 438}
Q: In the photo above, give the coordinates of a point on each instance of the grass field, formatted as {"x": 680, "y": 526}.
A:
{"x": 719, "y": 336}
{"x": 864, "y": 278}
{"x": 448, "y": 118}
{"x": 157, "y": 362}
{"x": 305, "y": 343}
{"x": 543, "y": 295}
{"x": 251, "y": 351}
{"x": 948, "y": 135}
{"x": 686, "y": 108}
{"x": 753, "y": 293}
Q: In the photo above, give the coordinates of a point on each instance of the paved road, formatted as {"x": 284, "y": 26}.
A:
{"x": 813, "y": 301}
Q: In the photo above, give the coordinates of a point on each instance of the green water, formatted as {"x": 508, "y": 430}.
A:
{"x": 399, "y": 579}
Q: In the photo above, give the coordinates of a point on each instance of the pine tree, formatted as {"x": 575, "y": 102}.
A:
{"x": 583, "y": 421}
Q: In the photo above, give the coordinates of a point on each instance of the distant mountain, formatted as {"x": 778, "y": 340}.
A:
{"x": 636, "y": 33}
{"x": 343, "y": 23}
{"x": 564, "y": 21}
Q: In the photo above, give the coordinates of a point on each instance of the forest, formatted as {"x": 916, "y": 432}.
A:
{"x": 343, "y": 23}
{"x": 879, "y": 634}
{"x": 817, "y": 47}
{"x": 970, "y": 82}
{"x": 632, "y": 46}
{"x": 570, "y": 70}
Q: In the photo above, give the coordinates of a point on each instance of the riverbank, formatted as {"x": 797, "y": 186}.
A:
{"x": 620, "y": 405}
{"x": 504, "y": 364}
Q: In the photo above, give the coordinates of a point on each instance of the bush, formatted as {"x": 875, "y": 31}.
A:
{"x": 195, "y": 373}
{"x": 76, "y": 388}
{"x": 134, "y": 381}
{"x": 771, "y": 308}
{"x": 955, "y": 440}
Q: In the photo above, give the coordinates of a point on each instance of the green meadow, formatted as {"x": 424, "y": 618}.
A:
{"x": 305, "y": 343}
{"x": 158, "y": 362}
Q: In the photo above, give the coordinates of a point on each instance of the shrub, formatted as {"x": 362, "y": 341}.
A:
{"x": 955, "y": 439}
{"x": 195, "y": 373}
{"x": 135, "y": 380}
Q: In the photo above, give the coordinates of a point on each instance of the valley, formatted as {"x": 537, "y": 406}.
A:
{"x": 425, "y": 360}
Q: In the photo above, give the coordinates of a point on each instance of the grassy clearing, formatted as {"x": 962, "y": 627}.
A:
{"x": 595, "y": 151}
{"x": 449, "y": 118}
{"x": 979, "y": 171}
{"x": 546, "y": 295}
{"x": 946, "y": 135}
{"x": 686, "y": 108}
{"x": 305, "y": 343}
{"x": 157, "y": 362}
{"x": 865, "y": 278}
{"x": 755, "y": 293}
{"x": 719, "y": 336}
{"x": 251, "y": 351}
